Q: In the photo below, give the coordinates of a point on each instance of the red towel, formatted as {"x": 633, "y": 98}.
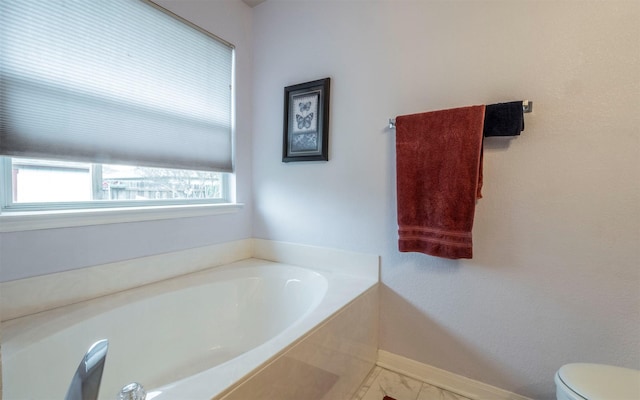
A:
{"x": 439, "y": 178}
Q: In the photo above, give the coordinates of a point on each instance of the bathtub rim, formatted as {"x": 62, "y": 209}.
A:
{"x": 60, "y": 318}
{"x": 105, "y": 279}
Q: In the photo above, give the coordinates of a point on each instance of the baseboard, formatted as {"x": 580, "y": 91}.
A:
{"x": 444, "y": 379}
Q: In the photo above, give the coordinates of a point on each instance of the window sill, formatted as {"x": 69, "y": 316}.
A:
{"x": 34, "y": 220}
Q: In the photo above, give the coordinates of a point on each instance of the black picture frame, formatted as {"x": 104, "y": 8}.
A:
{"x": 306, "y": 121}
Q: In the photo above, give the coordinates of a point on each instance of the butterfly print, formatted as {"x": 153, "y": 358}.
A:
{"x": 304, "y": 122}
{"x": 305, "y": 106}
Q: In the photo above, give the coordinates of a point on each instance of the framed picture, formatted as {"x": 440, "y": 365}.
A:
{"x": 306, "y": 121}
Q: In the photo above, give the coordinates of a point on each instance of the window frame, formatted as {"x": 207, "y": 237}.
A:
{"x": 7, "y": 204}
{"x": 16, "y": 217}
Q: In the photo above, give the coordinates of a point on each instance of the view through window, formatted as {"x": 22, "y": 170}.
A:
{"x": 44, "y": 181}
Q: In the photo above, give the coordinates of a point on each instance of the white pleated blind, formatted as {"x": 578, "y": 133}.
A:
{"x": 113, "y": 81}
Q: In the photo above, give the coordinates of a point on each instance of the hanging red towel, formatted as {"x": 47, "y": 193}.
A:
{"x": 439, "y": 179}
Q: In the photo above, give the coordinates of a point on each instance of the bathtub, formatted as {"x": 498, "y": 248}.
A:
{"x": 229, "y": 332}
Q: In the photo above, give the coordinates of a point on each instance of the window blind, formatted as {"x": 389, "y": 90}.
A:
{"x": 117, "y": 82}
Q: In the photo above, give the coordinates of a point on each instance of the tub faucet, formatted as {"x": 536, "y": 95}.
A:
{"x": 86, "y": 382}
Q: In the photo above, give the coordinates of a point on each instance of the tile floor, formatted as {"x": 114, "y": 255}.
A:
{"x": 382, "y": 382}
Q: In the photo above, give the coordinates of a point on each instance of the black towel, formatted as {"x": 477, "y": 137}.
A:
{"x": 503, "y": 119}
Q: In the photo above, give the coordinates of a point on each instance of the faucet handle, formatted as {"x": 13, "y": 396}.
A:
{"x": 132, "y": 391}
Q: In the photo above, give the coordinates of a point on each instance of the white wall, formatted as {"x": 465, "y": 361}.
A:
{"x": 555, "y": 276}
{"x": 31, "y": 253}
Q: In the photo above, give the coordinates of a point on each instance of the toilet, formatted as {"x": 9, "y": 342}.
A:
{"x": 597, "y": 382}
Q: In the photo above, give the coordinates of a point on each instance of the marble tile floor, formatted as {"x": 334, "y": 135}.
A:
{"x": 382, "y": 382}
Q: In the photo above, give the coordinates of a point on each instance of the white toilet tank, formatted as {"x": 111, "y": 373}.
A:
{"x": 597, "y": 382}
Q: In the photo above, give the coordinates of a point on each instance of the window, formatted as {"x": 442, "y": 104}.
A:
{"x": 43, "y": 184}
{"x": 111, "y": 103}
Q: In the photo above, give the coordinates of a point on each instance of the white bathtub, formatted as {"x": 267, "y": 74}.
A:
{"x": 203, "y": 335}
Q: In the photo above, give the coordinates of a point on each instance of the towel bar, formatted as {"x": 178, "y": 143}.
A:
{"x": 527, "y": 107}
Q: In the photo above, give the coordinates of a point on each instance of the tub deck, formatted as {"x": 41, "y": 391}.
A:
{"x": 169, "y": 337}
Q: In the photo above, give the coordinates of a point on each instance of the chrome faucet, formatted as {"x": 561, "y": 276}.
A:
{"x": 86, "y": 382}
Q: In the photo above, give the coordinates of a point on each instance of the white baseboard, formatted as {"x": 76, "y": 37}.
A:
{"x": 444, "y": 379}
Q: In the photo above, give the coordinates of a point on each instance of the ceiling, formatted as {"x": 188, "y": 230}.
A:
{"x": 252, "y": 3}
